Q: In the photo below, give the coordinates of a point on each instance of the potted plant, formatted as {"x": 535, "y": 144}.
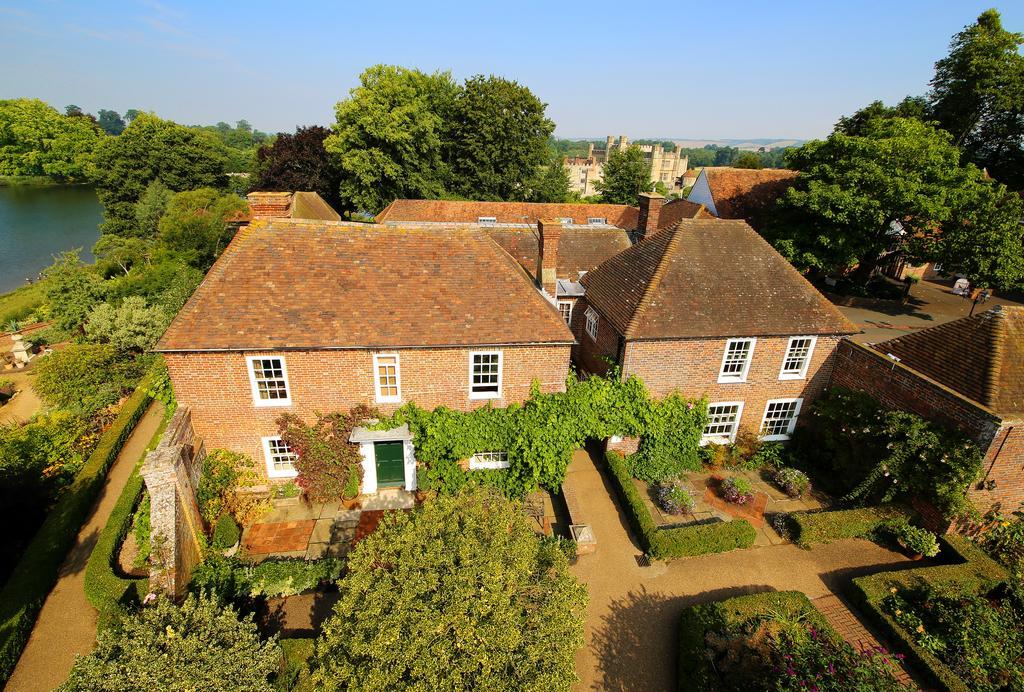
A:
{"x": 226, "y": 535}
{"x": 916, "y": 541}
{"x": 738, "y": 490}
{"x": 791, "y": 481}
{"x": 286, "y": 493}
{"x": 675, "y": 498}
{"x": 350, "y": 495}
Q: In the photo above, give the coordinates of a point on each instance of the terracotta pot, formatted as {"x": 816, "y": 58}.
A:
{"x": 354, "y": 503}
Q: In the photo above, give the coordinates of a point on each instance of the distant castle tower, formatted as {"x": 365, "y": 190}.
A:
{"x": 667, "y": 167}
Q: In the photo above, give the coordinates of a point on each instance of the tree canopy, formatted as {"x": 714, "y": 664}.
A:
{"x": 550, "y": 183}
{"x": 625, "y": 176}
{"x": 472, "y": 599}
{"x": 151, "y": 149}
{"x": 36, "y": 140}
{"x": 899, "y": 186}
{"x": 299, "y": 162}
{"x": 111, "y": 122}
{"x": 195, "y": 225}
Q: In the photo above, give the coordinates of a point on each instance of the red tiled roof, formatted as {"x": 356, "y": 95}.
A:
{"x": 289, "y": 284}
{"x": 678, "y": 209}
{"x": 747, "y": 193}
{"x": 579, "y": 249}
{"x": 981, "y": 357}
{"x": 708, "y": 278}
{"x": 450, "y": 211}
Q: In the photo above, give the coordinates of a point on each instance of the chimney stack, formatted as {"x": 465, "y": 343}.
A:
{"x": 549, "y": 230}
{"x": 270, "y": 205}
{"x": 650, "y": 212}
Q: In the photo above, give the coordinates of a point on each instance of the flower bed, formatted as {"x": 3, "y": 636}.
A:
{"x": 974, "y": 573}
{"x": 675, "y": 542}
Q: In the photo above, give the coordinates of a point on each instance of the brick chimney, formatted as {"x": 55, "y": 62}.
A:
{"x": 549, "y": 230}
{"x": 650, "y": 212}
{"x": 270, "y": 205}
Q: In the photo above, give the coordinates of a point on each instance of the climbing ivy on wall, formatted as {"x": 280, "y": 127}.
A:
{"x": 540, "y": 435}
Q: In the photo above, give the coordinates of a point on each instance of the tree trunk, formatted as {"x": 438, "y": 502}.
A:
{"x": 865, "y": 268}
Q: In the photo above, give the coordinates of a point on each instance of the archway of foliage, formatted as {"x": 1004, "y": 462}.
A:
{"x": 460, "y": 594}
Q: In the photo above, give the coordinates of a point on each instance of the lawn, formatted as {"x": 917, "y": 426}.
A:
{"x": 21, "y": 302}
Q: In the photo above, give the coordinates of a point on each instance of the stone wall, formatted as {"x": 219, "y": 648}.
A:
{"x": 171, "y": 472}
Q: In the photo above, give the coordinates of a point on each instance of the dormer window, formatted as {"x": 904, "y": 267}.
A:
{"x": 597, "y": 220}
{"x": 565, "y": 219}
{"x": 487, "y": 219}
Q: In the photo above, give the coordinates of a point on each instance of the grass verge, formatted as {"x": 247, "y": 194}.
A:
{"x": 21, "y": 302}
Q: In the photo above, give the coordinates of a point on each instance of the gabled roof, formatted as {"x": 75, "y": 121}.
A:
{"x": 981, "y": 357}
{"x": 746, "y": 193}
{"x": 284, "y": 284}
{"x": 708, "y": 278}
{"x": 579, "y": 249}
{"x": 452, "y": 211}
{"x": 678, "y": 209}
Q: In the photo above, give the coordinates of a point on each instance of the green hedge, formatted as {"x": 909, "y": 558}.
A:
{"x": 827, "y": 526}
{"x": 695, "y": 672}
{"x": 232, "y": 578}
{"x": 36, "y": 572}
{"x": 679, "y": 542}
{"x": 974, "y": 573}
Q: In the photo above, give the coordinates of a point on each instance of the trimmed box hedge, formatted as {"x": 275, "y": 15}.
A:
{"x": 695, "y": 671}
{"x": 36, "y": 573}
{"x": 975, "y": 573}
{"x": 684, "y": 541}
{"x": 825, "y": 526}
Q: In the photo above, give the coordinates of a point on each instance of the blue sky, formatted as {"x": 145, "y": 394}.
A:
{"x": 722, "y": 69}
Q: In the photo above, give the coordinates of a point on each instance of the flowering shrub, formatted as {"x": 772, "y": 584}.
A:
{"x": 1002, "y": 537}
{"x": 738, "y": 490}
{"x": 675, "y": 498}
{"x": 327, "y": 461}
{"x": 792, "y": 481}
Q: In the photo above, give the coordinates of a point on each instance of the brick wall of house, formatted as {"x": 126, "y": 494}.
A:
{"x": 217, "y": 388}
{"x": 899, "y": 387}
{"x": 592, "y": 356}
{"x": 691, "y": 367}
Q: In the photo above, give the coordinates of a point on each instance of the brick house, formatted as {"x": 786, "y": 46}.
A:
{"x": 740, "y": 193}
{"x": 969, "y": 374}
{"x": 708, "y": 308}
{"x": 303, "y": 316}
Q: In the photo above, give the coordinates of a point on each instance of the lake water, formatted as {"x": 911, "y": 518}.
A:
{"x": 37, "y": 223}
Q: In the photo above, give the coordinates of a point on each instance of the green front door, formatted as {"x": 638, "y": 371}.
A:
{"x": 390, "y": 464}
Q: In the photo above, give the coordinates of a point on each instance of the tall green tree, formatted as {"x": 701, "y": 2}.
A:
{"x": 899, "y": 187}
{"x": 856, "y": 124}
{"x": 626, "y": 174}
{"x": 111, "y": 122}
{"x": 497, "y": 139}
{"x": 550, "y": 183}
{"x": 72, "y": 290}
{"x": 196, "y": 224}
{"x": 36, "y": 140}
{"x": 474, "y": 600}
{"x": 977, "y": 95}
{"x": 152, "y": 149}
{"x": 388, "y": 137}
{"x": 748, "y": 159}
{"x": 299, "y": 162}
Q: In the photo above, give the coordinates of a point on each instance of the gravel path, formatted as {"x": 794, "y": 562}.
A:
{"x": 67, "y": 623}
{"x": 633, "y": 612}
{"x": 25, "y": 403}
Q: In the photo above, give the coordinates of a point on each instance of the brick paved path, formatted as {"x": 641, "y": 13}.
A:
{"x": 852, "y": 629}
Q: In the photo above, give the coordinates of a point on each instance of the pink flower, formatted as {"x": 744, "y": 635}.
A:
{"x": 150, "y": 597}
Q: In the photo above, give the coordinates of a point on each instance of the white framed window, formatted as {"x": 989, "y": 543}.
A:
{"x": 723, "y": 422}
{"x": 736, "y": 360}
{"x": 387, "y": 378}
{"x": 280, "y": 458}
{"x": 565, "y": 310}
{"x": 487, "y": 219}
{"x": 269, "y": 379}
{"x": 488, "y": 460}
{"x": 797, "y": 358}
{"x": 597, "y": 220}
{"x": 485, "y": 375}
{"x": 568, "y": 219}
{"x": 591, "y": 326}
{"x": 780, "y": 418}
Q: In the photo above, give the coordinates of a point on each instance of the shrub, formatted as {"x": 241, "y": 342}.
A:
{"x": 475, "y": 600}
{"x": 86, "y": 377}
{"x": 23, "y": 594}
{"x": 198, "y": 645}
{"x": 141, "y": 530}
{"x": 130, "y": 326}
{"x": 825, "y": 526}
{"x": 326, "y": 459}
{"x": 235, "y": 580}
{"x": 671, "y": 441}
{"x": 226, "y": 533}
{"x": 738, "y": 490}
{"x": 675, "y": 498}
{"x": 221, "y": 488}
{"x": 1002, "y": 537}
{"x": 792, "y": 481}
{"x": 914, "y": 539}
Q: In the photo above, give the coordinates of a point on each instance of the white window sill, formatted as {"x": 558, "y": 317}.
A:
{"x": 282, "y": 474}
{"x": 388, "y": 400}
{"x": 271, "y": 403}
{"x": 774, "y": 438}
{"x": 793, "y": 376}
{"x": 731, "y": 380}
{"x": 485, "y": 395}
{"x": 488, "y": 465}
{"x": 717, "y": 440}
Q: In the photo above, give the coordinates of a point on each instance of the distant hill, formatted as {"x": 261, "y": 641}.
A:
{"x": 744, "y": 144}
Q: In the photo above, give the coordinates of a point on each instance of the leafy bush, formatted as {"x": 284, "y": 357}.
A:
{"x": 675, "y": 498}
{"x": 226, "y": 534}
{"x": 671, "y": 440}
{"x": 457, "y": 570}
{"x": 792, "y": 481}
{"x": 826, "y": 526}
{"x": 87, "y": 377}
{"x": 748, "y": 452}
{"x": 1002, "y": 537}
{"x": 914, "y": 539}
{"x": 232, "y": 579}
{"x": 684, "y": 541}
{"x": 221, "y": 488}
{"x": 141, "y": 530}
{"x": 131, "y": 326}
{"x": 198, "y": 645}
{"x": 738, "y": 490}
{"x": 326, "y": 459}
{"x": 23, "y": 594}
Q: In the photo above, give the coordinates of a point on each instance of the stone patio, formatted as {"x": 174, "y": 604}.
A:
{"x": 311, "y": 530}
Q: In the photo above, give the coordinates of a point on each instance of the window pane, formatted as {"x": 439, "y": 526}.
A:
{"x": 722, "y": 419}
{"x": 779, "y": 417}
{"x": 269, "y": 376}
{"x": 796, "y": 356}
{"x": 282, "y": 458}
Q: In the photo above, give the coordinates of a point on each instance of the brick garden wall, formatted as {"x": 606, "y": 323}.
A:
{"x": 217, "y": 389}
{"x": 592, "y": 356}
